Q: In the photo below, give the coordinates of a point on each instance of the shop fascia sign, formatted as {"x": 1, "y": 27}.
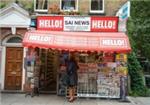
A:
{"x": 77, "y": 23}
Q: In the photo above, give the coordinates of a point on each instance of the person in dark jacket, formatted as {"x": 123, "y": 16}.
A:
{"x": 72, "y": 68}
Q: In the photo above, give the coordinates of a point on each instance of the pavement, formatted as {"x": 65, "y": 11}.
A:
{"x": 46, "y": 99}
{"x": 140, "y": 100}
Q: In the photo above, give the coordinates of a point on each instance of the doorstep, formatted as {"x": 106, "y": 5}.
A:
{"x": 12, "y": 91}
{"x": 47, "y": 92}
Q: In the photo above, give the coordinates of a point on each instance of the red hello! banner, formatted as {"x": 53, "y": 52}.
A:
{"x": 77, "y": 23}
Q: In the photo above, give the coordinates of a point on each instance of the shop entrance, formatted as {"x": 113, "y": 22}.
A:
{"x": 48, "y": 71}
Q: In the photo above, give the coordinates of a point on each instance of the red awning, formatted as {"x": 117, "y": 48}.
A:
{"x": 80, "y": 41}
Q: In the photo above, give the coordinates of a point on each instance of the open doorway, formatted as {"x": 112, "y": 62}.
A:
{"x": 48, "y": 71}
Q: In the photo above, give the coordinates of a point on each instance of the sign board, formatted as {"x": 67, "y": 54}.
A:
{"x": 33, "y": 23}
{"x": 124, "y": 12}
{"x": 53, "y": 23}
{"x": 104, "y": 24}
{"x": 77, "y": 23}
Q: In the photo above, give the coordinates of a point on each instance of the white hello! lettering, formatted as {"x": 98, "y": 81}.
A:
{"x": 104, "y": 24}
{"x": 111, "y": 42}
{"x": 50, "y": 23}
{"x": 39, "y": 38}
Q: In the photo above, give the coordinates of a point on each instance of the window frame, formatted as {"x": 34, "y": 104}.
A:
{"x": 40, "y": 10}
{"x": 5, "y": 43}
{"x": 76, "y": 9}
{"x": 10, "y": 40}
{"x": 146, "y": 76}
{"x": 97, "y": 11}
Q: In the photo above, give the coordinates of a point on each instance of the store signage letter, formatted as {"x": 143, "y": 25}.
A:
{"x": 113, "y": 42}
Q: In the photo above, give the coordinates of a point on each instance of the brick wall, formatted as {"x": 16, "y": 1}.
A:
{"x": 111, "y": 6}
{"x": 7, "y": 31}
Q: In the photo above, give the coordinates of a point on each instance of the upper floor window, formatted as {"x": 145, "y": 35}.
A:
{"x": 69, "y": 5}
{"x": 97, "y": 6}
{"x": 41, "y": 5}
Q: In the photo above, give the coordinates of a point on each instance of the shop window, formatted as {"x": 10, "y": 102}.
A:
{"x": 41, "y": 5}
{"x": 97, "y": 6}
{"x": 146, "y": 66}
{"x": 147, "y": 80}
{"x": 15, "y": 40}
{"x": 69, "y": 5}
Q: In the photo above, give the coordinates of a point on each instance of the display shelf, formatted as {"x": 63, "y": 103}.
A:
{"x": 47, "y": 68}
{"x": 61, "y": 88}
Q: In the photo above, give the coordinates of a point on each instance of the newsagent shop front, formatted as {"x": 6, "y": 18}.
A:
{"x": 100, "y": 50}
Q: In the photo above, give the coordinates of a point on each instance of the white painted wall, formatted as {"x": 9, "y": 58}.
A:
{"x": 3, "y": 67}
{"x": 23, "y": 72}
{"x": 14, "y": 18}
{"x": 0, "y": 64}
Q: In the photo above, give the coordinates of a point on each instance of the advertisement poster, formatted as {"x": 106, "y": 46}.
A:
{"x": 121, "y": 57}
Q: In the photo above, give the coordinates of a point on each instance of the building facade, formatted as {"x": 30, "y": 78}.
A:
{"x": 15, "y": 22}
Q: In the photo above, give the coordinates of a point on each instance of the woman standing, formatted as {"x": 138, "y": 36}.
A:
{"x": 72, "y": 67}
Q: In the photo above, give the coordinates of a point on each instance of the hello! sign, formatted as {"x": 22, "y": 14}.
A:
{"x": 77, "y": 23}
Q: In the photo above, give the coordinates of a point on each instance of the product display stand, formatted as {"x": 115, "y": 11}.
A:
{"x": 61, "y": 88}
{"x": 123, "y": 90}
{"x": 29, "y": 84}
{"x": 98, "y": 79}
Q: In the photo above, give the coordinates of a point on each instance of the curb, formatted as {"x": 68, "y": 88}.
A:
{"x": 131, "y": 100}
{"x": 135, "y": 101}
